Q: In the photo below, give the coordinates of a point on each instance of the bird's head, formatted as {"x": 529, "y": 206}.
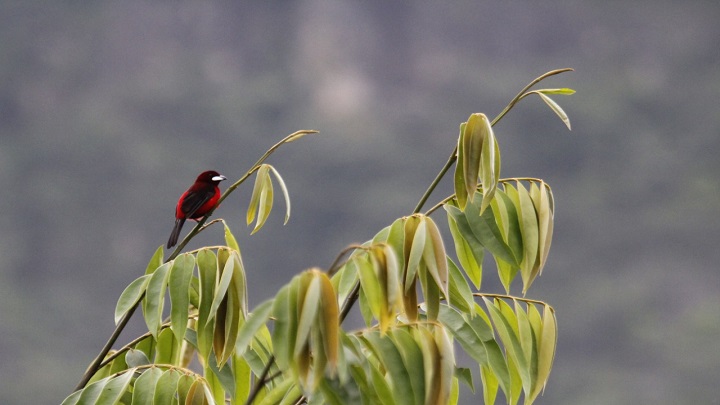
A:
{"x": 211, "y": 176}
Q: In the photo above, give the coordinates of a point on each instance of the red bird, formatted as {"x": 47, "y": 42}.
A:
{"x": 200, "y": 198}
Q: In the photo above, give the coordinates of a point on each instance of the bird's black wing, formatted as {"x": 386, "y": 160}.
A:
{"x": 194, "y": 200}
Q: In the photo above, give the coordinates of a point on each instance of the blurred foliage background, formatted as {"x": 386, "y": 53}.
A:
{"x": 108, "y": 110}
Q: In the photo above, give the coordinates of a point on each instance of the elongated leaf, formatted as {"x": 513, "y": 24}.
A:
{"x": 155, "y": 297}
{"x": 489, "y": 164}
{"x": 242, "y": 375}
{"x": 222, "y": 287}
{"x": 470, "y": 259}
{"x": 283, "y": 338}
{"x": 412, "y": 358}
{"x": 507, "y": 329}
{"x": 487, "y": 232}
{"x": 416, "y": 252}
{"x": 371, "y": 287}
{"x": 562, "y": 91}
{"x": 255, "y": 321}
{"x": 285, "y": 193}
{"x": 167, "y": 387}
{"x": 460, "y": 295}
{"x": 391, "y": 359}
{"x": 530, "y": 234}
{"x": 145, "y": 385}
{"x": 130, "y": 296}
{"x": 179, "y": 286}
{"x": 168, "y": 348}
{"x": 556, "y": 108}
{"x": 489, "y": 383}
{"x": 309, "y": 309}
{"x": 474, "y": 142}
{"x": 547, "y": 347}
{"x": 329, "y": 322}
{"x": 461, "y": 192}
{"x": 155, "y": 261}
{"x": 114, "y": 389}
{"x": 207, "y": 272}
{"x": 230, "y": 239}
{"x": 462, "y": 331}
{"x": 435, "y": 256}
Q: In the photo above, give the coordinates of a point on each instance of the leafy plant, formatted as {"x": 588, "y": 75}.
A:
{"x": 419, "y": 306}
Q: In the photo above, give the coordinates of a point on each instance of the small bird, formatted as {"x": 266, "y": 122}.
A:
{"x": 200, "y": 198}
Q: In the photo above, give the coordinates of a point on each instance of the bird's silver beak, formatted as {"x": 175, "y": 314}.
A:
{"x": 219, "y": 178}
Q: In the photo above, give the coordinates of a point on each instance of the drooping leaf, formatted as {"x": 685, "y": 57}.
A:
{"x": 168, "y": 348}
{"x": 179, "y": 286}
{"x": 208, "y": 274}
{"x": 556, "y": 108}
{"x": 470, "y": 257}
{"x": 461, "y": 193}
{"x": 254, "y": 322}
{"x": 114, "y": 389}
{"x": 167, "y": 387}
{"x": 155, "y": 261}
{"x": 230, "y": 238}
{"x": 460, "y": 295}
{"x": 285, "y": 193}
{"x": 145, "y": 386}
{"x": 530, "y": 234}
{"x": 155, "y": 297}
{"x": 130, "y": 296}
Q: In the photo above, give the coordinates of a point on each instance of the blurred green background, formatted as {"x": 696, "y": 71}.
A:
{"x": 108, "y": 110}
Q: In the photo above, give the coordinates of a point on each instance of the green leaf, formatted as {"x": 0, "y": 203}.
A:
{"x": 130, "y": 296}
{"x": 242, "y": 374}
{"x": 461, "y": 193}
{"x": 283, "y": 338}
{"x": 179, "y": 286}
{"x": 563, "y": 91}
{"x": 115, "y": 388}
{"x": 168, "y": 348}
{"x": 412, "y": 358}
{"x": 154, "y": 298}
{"x": 155, "y": 261}
{"x": 489, "y": 383}
{"x": 530, "y": 235}
{"x": 506, "y": 328}
{"x": 145, "y": 385}
{"x": 308, "y": 313}
{"x": 487, "y": 232}
{"x": 489, "y": 164}
{"x": 285, "y": 193}
{"x": 470, "y": 259}
{"x": 230, "y": 238}
{"x": 416, "y": 251}
{"x": 254, "y": 322}
{"x": 556, "y": 108}
{"x": 262, "y": 198}
{"x": 370, "y": 285}
{"x": 546, "y": 348}
{"x": 460, "y": 295}
{"x": 464, "y": 374}
{"x": 223, "y": 375}
{"x": 473, "y": 149}
{"x": 388, "y": 354}
{"x": 222, "y": 287}
{"x": 434, "y": 255}
{"x": 167, "y": 387}
{"x": 463, "y": 332}
{"x": 207, "y": 274}
{"x": 136, "y": 358}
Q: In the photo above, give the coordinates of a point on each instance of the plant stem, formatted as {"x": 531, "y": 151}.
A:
{"x": 95, "y": 365}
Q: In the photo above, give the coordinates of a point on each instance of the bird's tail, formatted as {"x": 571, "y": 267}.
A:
{"x": 175, "y": 232}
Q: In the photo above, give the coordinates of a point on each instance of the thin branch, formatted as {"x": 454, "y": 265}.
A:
{"x": 335, "y": 266}
{"x": 260, "y": 381}
{"x": 513, "y": 298}
{"x": 94, "y": 366}
{"x": 453, "y": 155}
